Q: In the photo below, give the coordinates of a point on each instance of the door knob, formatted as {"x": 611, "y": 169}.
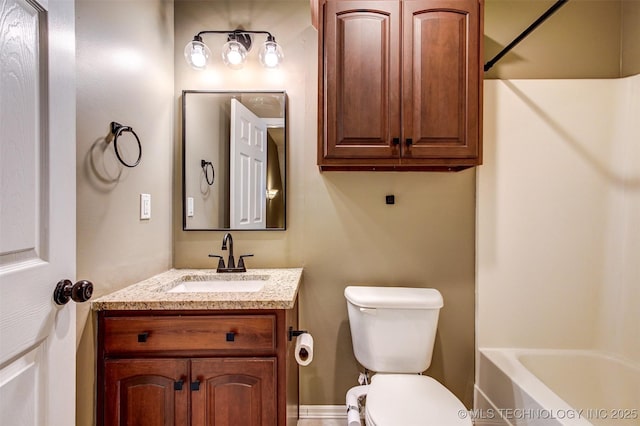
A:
{"x": 79, "y": 292}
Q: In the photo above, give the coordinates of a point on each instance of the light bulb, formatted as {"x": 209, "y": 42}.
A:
{"x": 234, "y": 57}
{"x": 198, "y": 57}
{"x": 197, "y": 54}
{"x": 271, "y": 54}
{"x": 234, "y": 54}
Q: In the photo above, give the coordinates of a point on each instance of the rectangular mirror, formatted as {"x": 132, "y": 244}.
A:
{"x": 234, "y": 160}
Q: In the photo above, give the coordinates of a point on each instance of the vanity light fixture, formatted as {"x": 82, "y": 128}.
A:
{"x": 234, "y": 51}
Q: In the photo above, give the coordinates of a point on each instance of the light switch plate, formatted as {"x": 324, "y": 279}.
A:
{"x": 145, "y": 206}
{"x": 189, "y": 206}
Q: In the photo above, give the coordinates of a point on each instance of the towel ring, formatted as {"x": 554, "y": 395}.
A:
{"x": 205, "y": 169}
{"x": 116, "y": 130}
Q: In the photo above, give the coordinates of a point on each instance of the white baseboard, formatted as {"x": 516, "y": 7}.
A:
{"x": 323, "y": 412}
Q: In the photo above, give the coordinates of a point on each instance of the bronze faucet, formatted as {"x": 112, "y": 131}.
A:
{"x": 231, "y": 263}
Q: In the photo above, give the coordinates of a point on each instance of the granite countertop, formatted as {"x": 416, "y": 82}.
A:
{"x": 279, "y": 292}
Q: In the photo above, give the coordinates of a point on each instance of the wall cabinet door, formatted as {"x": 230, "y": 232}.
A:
{"x": 361, "y": 79}
{"x": 441, "y": 78}
{"x": 146, "y": 392}
{"x": 400, "y": 84}
{"x": 234, "y": 392}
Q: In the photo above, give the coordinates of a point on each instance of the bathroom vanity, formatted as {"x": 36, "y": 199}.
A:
{"x": 192, "y": 347}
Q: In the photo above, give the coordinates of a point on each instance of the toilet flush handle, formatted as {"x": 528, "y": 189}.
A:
{"x": 370, "y": 311}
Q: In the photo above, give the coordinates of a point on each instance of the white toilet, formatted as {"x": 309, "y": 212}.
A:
{"x": 393, "y": 330}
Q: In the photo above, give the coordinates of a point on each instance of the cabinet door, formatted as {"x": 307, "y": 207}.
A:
{"x": 233, "y": 392}
{"x": 441, "y": 78}
{"x": 142, "y": 392}
{"x": 361, "y": 70}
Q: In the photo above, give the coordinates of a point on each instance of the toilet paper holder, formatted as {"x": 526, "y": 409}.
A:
{"x": 295, "y": 333}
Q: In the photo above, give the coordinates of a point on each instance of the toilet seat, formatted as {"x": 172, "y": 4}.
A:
{"x": 412, "y": 400}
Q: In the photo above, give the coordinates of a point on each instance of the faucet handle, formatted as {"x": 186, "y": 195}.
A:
{"x": 241, "y": 261}
{"x": 220, "y": 260}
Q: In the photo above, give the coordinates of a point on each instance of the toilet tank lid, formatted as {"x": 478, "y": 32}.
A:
{"x": 394, "y": 297}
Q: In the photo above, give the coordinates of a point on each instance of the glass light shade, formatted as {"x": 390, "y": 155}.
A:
{"x": 271, "y": 54}
{"x": 234, "y": 54}
{"x": 197, "y": 54}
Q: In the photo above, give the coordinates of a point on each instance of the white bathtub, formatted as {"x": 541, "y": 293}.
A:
{"x": 555, "y": 387}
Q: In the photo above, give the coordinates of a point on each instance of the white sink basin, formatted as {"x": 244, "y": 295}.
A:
{"x": 219, "y": 286}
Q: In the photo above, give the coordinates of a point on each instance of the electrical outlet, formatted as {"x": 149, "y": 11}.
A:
{"x": 145, "y": 206}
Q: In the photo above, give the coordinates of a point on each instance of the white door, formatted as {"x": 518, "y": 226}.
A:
{"x": 37, "y": 211}
{"x": 248, "y": 169}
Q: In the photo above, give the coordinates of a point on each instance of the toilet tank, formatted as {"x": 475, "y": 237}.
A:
{"x": 393, "y": 329}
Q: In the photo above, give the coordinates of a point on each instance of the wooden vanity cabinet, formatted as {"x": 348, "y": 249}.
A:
{"x": 145, "y": 391}
{"x": 234, "y": 368}
{"x": 400, "y": 84}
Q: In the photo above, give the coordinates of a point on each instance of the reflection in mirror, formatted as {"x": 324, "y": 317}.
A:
{"x": 234, "y": 160}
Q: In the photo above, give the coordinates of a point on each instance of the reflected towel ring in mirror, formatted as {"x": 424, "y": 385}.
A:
{"x": 116, "y": 130}
{"x": 205, "y": 169}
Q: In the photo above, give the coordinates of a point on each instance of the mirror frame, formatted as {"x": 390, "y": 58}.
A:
{"x": 184, "y": 153}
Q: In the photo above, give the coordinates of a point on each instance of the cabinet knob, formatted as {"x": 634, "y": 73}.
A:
{"x": 142, "y": 337}
{"x": 178, "y": 385}
{"x": 231, "y": 336}
{"x": 409, "y": 141}
{"x": 396, "y": 141}
{"x": 195, "y": 386}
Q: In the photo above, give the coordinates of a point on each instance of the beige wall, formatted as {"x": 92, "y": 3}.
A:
{"x": 558, "y": 231}
{"x": 208, "y": 136}
{"x": 583, "y": 39}
{"x": 339, "y": 228}
{"x": 125, "y": 74}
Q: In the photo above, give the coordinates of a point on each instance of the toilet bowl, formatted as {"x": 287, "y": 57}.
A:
{"x": 393, "y": 333}
{"x": 412, "y": 400}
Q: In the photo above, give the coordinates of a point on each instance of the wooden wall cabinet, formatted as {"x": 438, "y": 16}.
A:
{"x": 400, "y": 84}
{"x": 185, "y": 368}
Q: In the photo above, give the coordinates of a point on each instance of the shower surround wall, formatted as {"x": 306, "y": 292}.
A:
{"x": 558, "y": 216}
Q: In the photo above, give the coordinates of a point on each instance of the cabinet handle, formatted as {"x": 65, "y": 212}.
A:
{"x": 142, "y": 337}
{"x": 231, "y": 336}
{"x": 396, "y": 141}
{"x": 195, "y": 386}
{"x": 409, "y": 141}
{"x": 178, "y": 385}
